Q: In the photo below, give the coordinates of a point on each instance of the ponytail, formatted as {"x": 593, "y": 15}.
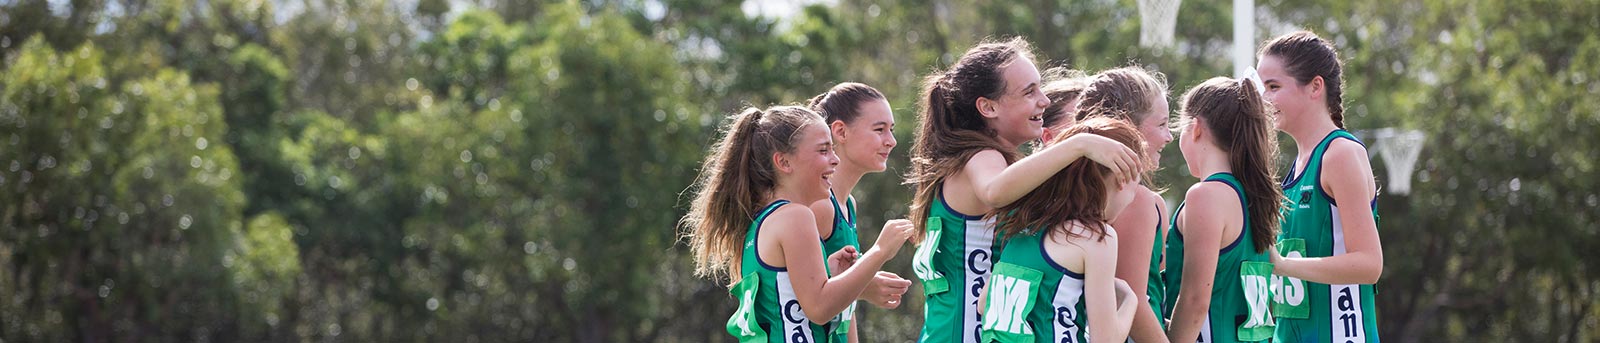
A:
{"x": 950, "y": 130}
{"x": 732, "y": 183}
{"x": 1236, "y": 115}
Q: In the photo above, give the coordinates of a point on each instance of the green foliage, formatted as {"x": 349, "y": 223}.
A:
{"x": 392, "y": 171}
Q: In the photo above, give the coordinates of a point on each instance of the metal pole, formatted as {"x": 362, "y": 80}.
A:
{"x": 1244, "y": 36}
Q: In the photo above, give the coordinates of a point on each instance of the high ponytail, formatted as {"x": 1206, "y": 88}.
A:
{"x": 950, "y": 130}
{"x": 1236, "y": 115}
{"x": 732, "y": 183}
{"x": 843, "y": 101}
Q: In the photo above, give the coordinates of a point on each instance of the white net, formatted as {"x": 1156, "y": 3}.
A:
{"x": 1157, "y": 20}
{"x": 1399, "y": 150}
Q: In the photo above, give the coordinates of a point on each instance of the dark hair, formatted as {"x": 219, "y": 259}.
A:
{"x": 1123, "y": 93}
{"x": 732, "y": 182}
{"x": 1077, "y": 192}
{"x": 1064, "y": 87}
{"x": 950, "y": 130}
{"x": 843, "y": 101}
{"x": 1234, "y": 113}
{"x": 1306, "y": 56}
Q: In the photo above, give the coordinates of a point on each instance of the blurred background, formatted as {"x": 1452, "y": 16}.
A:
{"x": 499, "y": 170}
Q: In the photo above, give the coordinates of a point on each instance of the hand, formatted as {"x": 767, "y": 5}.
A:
{"x": 885, "y": 290}
{"x": 842, "y": 259}
{"x": 1110, "y": 153}
{"x": 894, "y": 234}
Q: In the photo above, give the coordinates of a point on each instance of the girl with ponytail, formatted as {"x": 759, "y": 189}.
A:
{"x": 1332, "y": 254}
{"x": 862, "y": 126}
{"x": 768, "y": 163}
{"x": 1218, "y": 266}
{"x": 1138, "y": 97}
{"x": 972, "y": 120}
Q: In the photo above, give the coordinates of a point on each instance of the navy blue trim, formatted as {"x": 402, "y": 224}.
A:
{"x": 1244, "y": 211}
{"x": 850, "y": 213}
{"x": 766, "y": 211}
{"x": 1319, "y": 166}
{"x": 1290, "y": 179}
{"x": 1052, "y": 262}
{"x": 947, "y": 207}
{"x": 833, "y": 226}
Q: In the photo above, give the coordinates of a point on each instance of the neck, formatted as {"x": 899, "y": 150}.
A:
{"x": 1215, "y": 161}
{"x": 1008, "y": 143}
{"x": 782, "y": 193}
{"x": 1307, "y": 135}
{"x": 845, "y": 178}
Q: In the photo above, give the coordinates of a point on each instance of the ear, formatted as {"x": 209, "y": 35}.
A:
{"x": 1315, "y": 87}
{"x": 837, "y": 127}
{"x": 781, "y": 162}
{"x": 1196, "y": 129}
{"x": 988, "y": 108}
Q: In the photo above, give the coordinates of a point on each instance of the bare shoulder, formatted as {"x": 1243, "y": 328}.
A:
{"x": 1206, "y": 198}
{"x": 1105, "y": 246}
{"x": 1347, "y": 171}
{"x": 793, "y": 215}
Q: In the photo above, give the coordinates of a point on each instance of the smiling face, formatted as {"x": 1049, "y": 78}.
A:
{"x": 1018, "y": 112}
{"x": 1155, "y": 130}
{"x": 811, "y": 163}
{"x": 866, "y": 143}
{"x": 1291, "y": 101}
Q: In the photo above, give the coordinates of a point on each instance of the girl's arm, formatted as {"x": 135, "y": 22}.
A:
{"x": 997, "y": 184}
{"x": 1100, "y": 290}
{"x": 1202, "y": 222}
{"x": 1138, "y": 226}
{"x": 822, "y": 297}
{"x": 1347, "y": 177}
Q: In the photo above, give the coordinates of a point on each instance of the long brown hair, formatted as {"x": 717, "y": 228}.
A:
{"x": 843, "y": 102}
{"x": 1077, "y": 192}
{"x": 1305, "y": 56}
{"x": 733, "y": 182}
{"x": 1234, "y": 113}
{"x": 1123, "y": 93}
{"x": 949, "y": 128}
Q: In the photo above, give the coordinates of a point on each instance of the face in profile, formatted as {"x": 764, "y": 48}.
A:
{"x": 870, "y": 138}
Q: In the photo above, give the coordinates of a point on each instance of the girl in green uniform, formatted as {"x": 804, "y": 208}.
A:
{"x": 972, "y": 120}
{"x": 1332, "y": 255}
{"x": 1055, "y": 278}
{"x": 1139, "y": 97}
{"x": 862, "y": 126}
{"x": 1218, "y": 263}
{"x": 767, "y": 164}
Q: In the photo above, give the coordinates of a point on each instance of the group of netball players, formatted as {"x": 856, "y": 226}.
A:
{"x": 1070, "y": 242}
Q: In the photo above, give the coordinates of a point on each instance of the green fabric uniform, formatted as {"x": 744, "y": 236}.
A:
{"x": 1033, "y": 299}
{"x": 1239, "y": 289}
{"x": 1155, "y": 291}
{"x": 953, "y": 262}
{"x": 768, "y": 309}
{"x": 1309, "y": 311}
{"x": 844, "y": 234}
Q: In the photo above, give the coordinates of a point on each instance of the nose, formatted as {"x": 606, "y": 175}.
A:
{"x": 891, "y": 142}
